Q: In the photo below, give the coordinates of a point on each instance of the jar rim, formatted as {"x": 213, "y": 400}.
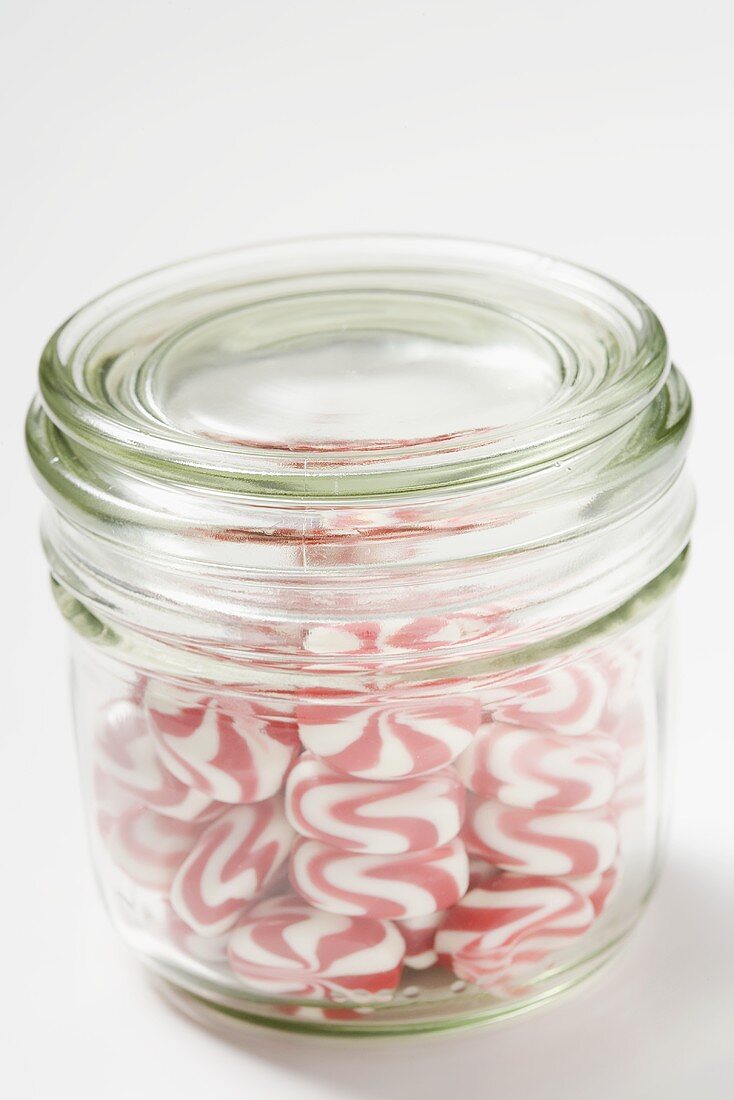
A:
{"x": 114, "y": 377}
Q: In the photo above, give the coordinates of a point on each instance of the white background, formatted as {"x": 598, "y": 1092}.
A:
{"x": 141, "y": 132}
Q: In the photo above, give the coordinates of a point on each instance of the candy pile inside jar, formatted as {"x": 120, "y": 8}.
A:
{"x": 315, "y": 848}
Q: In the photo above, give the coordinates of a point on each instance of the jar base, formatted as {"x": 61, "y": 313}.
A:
{"x": 467, "y": 1008}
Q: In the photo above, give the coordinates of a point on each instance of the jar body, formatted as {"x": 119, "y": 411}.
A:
{"x": 368, "y": 547}
{"x": 370, "y": 860}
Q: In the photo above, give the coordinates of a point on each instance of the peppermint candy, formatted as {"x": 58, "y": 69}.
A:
{"x": 534, "y": 770}
{"x": 284, "y": 947}
{"x": 150, "y": 847}
{"x": 127, "y": 757}
{"x": 220, "y": 746}
{"x": 419, "y": 934}
{"x": 401, "y": 815}
{"x": 232, "y": 861}
{"x": 380, "y": 886}
{"x": 571, "y": 700}
{"x": 599, "y": 887}
{"x": 389, "y": 740}
{"x": 532, "y": 842}
{"x": 503, "y": 931}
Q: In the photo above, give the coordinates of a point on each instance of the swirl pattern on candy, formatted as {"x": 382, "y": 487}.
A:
{"x": 219, "y": 745}
{"x": 599, "y": 887}
{"x": 514, "y": 922}
{"x": 411, "y": 885}
{"x": 233, "y": 860}
{"x": 533, "y": 842}
{"x": 571, "y": 700}
{"x": 390, "y": 740}
{"x": 383, "y": 817}
{"x": 286, "y": 948}
{"x": 150, "y": 847}
{"x": 535, "y": 770}
{"x": 127, "y": 756}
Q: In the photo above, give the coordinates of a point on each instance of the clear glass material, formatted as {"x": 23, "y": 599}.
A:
{"x": 368, "y": 547}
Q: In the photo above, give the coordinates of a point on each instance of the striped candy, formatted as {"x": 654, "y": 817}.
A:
{"x": 599, "y": 887}
{"x": 401, "y": 815}
{"x": 126, "y": 755}
{"x": 380, "y": 886}
{"x": 390, "y": 740}
{"x": 534, "y": 770}
{"x": 500, "y": 932}
{"x": 150, "y": 847}
{"x": 220, "y": 746}
{"x": 284, "y": 947}
{"x": 532, "y": 842}
{"x": 571, "y": 700}
{"x": 419, "y": 934}
{"x": 233, "y": 860}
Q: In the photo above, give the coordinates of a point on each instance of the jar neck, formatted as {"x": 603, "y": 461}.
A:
{"x": 431, "y": 579}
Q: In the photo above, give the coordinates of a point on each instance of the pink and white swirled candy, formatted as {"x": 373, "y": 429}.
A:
{"x": 419, "y": 934}
{"x": 572, "y": 700}
{"x": 383, "y": 817}
{"x": 126, "y": 757}
{"x": 599, "y": 888}
{"x": 534, "y": 842}
{"x": 284, "y": 947}
{"x": 536, "y": 770}
{"x": 389, "y": 740}
{"x": 381, "y": 886}
{"x": 150, "y": 847}
{"x": 500, "y": 931}
{"x": 219, "y": 746}
{"x": 232, "y": 861}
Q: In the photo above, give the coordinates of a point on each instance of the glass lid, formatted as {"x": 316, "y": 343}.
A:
{"x": 348, "y": 367}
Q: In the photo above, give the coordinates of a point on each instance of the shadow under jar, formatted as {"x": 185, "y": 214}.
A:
{"x": 368, "y": 548}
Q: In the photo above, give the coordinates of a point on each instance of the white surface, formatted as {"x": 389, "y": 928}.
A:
{"x": 139, "y": 133}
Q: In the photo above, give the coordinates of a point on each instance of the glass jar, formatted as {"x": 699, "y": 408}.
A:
{"x": 368, "y": 548}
